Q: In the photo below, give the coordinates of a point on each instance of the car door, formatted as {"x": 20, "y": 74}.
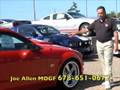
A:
{"x": 19, "y": 64}
{"x": 63, "y": 22}
{"x": 60, "y": 21}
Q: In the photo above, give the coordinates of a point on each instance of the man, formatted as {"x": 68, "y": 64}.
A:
{"x": 105, "y": 29}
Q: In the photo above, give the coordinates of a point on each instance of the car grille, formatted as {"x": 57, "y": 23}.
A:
{"x": 79, "y": 44}
{"x": 85, "y": 44}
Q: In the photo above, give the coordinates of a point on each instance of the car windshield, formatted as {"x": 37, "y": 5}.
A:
{"x": 76, "y": 14}
{"x": 47, "y": 29}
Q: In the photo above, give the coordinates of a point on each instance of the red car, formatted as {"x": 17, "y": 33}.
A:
{"x": 31, "y": 64}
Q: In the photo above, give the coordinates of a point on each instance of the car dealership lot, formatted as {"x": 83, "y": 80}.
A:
{"x": 93, "y": 67}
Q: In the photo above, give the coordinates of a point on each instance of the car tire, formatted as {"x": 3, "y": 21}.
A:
{"x": 70, "y": 68}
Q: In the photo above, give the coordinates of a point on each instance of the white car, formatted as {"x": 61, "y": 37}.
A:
{"x": 9, "y": 23}
{"x": 66, "y": 22}
{"x": 4, "y": 23}
{"x": 118, "y": 28}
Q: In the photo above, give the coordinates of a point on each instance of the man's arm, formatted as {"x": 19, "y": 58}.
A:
{"x": 115, "y": 29}
{"x": 116, "y": 41}
{"x": 83, "y": 30}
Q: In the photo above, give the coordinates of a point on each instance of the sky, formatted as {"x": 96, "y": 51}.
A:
{"x": 23, "y": 9}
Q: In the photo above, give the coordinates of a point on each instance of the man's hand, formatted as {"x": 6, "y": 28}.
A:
{"x": 73, "y": 34}
{"x": 83, "y": 30}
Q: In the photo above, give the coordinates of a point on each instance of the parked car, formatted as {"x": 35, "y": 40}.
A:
{"x": 51, "y": 34}
{"x": 117, "y": 53}
{"x": 6, "y": 22}
{"x": 66, "y": 22}
{"x": 11, "y": 22}
{"x": 26, "y": 64}
{"x": 118, "y": 27}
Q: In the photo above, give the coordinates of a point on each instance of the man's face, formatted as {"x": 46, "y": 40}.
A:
{"x": 100, "y": 12}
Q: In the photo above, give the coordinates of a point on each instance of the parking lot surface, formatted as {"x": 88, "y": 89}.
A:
{"x": 93, "y": 67}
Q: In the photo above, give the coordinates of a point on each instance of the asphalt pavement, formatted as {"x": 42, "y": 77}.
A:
{"x": 92, "y": 69}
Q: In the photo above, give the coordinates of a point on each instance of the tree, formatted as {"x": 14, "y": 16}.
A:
{"x": 118, "y": 15}
{"x": 113, "y": 15}
{"x": 73, "y": 8}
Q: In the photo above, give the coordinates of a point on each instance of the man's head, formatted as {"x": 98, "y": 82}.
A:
{"x": 101, "y": 12}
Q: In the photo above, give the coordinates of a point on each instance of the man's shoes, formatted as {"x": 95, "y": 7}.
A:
{"x": 107, "y": 85}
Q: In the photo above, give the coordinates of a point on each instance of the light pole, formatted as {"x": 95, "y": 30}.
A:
{"x": 34, "y": 10}
{"x": 86, "y": 9}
